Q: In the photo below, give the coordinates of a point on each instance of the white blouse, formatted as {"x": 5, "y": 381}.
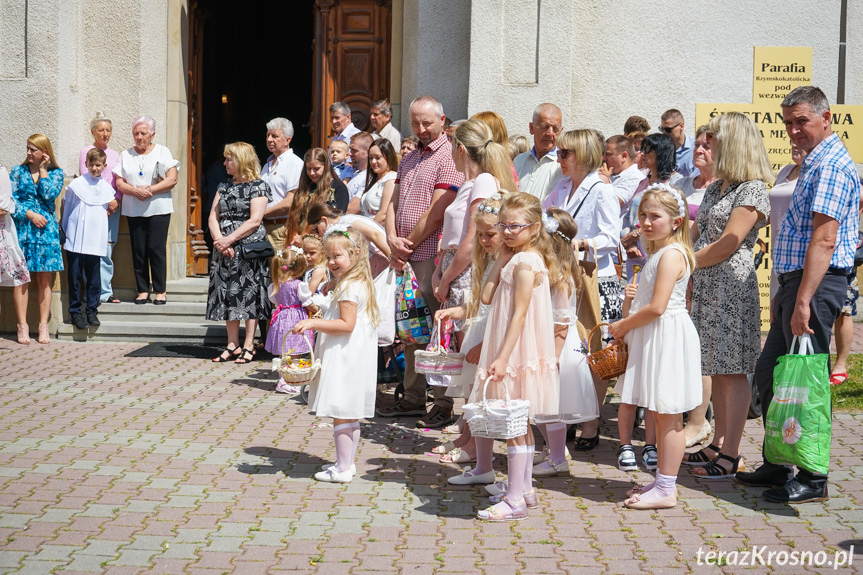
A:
{"x": 141, "y": 170}
{"x": 370, "y": 202}
{"x": 598, "y": 219}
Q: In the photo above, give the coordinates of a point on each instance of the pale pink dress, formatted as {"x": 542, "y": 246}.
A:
{"x": 531, "y": 372}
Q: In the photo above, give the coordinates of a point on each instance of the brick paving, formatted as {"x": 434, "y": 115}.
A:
{"x": 120, "y": 465}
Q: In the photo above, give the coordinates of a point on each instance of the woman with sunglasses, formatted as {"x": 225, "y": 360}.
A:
{"x": 593, "y": 205}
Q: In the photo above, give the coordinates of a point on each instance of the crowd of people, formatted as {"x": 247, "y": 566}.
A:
{"x": 522, "y": 248}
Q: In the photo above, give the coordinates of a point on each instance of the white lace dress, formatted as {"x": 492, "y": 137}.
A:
{"x": 577, "y": 391}
{"x": 663, "y": 373}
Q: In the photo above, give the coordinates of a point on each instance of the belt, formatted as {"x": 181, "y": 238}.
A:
{"x": 797, "y": 274}
{"x": 275, "y": 220}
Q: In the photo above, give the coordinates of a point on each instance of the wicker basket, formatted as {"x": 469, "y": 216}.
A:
{"x": 609, "y": 362}
{"x": 497, "y": 418}
{"x": 438, "y": 361}
{"x": 297, "y": 373}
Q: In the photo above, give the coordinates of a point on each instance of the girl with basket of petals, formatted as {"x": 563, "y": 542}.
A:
{"x": 663, "y": 372}
{"x": 518, "y": 349}
{"x": 347, "y": 345}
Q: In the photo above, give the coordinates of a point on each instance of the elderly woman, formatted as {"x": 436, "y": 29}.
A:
{"x": 36, "y": 183}
{"x": 593, "y": 205}
{"x": 725, "y": 300}
{"x": 239, "y": 283}
{"x": 145, "y": 175}
{"x": 100, "y": 127}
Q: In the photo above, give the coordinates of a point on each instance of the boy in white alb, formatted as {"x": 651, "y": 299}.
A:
{"x": 85, "y": 222}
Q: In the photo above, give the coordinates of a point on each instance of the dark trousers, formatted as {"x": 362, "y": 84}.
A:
{"x": 824, "y": 309}
{"x": 85, "y": 282}
{"x": 149, "y": 237}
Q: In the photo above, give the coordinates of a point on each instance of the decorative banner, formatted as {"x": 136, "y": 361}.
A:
{"x": 777, "y": 70}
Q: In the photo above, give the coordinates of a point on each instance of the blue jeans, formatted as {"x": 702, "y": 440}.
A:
{"x": 106, "y": 267}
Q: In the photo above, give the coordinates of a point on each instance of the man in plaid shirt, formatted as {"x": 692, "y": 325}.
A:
{"x": 813, "y": 252}
{"x": 426, "y": 184}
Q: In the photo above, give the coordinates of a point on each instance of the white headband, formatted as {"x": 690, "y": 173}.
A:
{"x": 675, "y": 193}
{"x": 340, "y": 229}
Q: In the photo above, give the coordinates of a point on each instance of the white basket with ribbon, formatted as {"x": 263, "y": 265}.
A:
{"x": 497, "y": 418}
{"x": 438, "y": 361}
{"x": 297, "y": 370}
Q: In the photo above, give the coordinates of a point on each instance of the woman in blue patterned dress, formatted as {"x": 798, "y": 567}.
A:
{"x": 36, "y": 183}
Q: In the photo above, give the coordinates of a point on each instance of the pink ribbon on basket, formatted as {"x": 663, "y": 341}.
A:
{"x": 279, "y": 309}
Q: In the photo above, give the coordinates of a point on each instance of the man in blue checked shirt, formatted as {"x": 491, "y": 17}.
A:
{"x": 814, "y": 251}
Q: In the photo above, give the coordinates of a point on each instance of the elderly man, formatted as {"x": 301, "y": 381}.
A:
{"x": 813, "y": 252}
{"x": 381, "y": 114}
{"x": 282, "y": 173}
{"x": 359, "y": 151}
{"x": 618, "y": 166}
{"x": 340, "y": 116}
{"x": 426, "y": 184}
{"x": 537, "y": 169}
{"x": 673, "y": 125}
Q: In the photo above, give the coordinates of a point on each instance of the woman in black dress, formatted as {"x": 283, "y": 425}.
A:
{"x": 238, "y": 285}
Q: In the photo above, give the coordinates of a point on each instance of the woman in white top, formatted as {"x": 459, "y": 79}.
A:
{"x": 381, "y": 180}
{"x": 593, "y": 205}
{"x": 146, "y": 174}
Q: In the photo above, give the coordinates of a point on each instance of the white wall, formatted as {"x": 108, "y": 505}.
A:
{"x": 604, "y": 61}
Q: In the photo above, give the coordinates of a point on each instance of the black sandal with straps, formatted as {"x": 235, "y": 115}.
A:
{"x": 230, "y": 351}
{"x": 246, "y": 356}
{"x": 699, "y": 458}
{"x": 586, "y": 443}
{"x": 715, "y": 471}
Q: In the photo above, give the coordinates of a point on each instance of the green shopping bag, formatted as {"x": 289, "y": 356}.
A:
{"x": 798, "y": 424}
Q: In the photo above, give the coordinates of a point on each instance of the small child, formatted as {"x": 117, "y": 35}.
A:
{"x": 663, "y": 373}
{"x": 287, "y": 267}
{"x": 347, "y": 346}
{"x": 316, "y": 274}
{"x": 339, "y": 157}
{"x": 85, "y": 222}
{"x": 518, "y": 346}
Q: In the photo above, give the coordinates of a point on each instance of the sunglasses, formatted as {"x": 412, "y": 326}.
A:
{"x": 563, "y": 153}
{"x": 670, "y": 129}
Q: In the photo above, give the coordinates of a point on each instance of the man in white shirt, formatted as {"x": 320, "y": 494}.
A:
{"x": 618, "y": 164}
{"x": 359, "y": 152}
{"x": 673, "y": 125}
{"x": 282, "y": 173}
{"x": 381, "y": 114}
{"x": 340, "y": 116}
{"x": 537, "y": 169}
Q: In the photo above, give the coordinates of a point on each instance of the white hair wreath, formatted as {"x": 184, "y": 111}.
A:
{"x": 675, "y": 193}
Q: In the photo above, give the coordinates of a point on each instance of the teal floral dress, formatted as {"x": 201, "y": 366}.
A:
{"x": 41, "y": 246}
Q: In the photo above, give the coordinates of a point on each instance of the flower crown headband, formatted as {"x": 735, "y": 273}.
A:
{"x": 675, "y": 193}
{"x": 488, "y": 208}
{"x": 340, "y": 229}
{"x": 283, "y": 253}
{"x": 552, "y": 226}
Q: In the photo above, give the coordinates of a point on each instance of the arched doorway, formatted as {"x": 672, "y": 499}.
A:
{"x": 252, "y": 61}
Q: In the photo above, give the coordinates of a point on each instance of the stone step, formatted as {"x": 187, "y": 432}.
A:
{"x": 188, "y": 290}
{"x": 201, "y": 331}
{"x": 171, "y": 312}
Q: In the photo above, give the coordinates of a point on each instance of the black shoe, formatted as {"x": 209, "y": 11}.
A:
{"x": 796, "y": 492}
{"x": 768, "y": 475}
{"x": 93, "y": 319}
{"x": 79, "y": 321}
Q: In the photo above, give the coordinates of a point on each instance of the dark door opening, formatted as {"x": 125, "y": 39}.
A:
{"x": 256, "y": 65}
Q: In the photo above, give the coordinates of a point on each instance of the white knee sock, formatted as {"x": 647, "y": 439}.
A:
{"x": 344, "y": 446}
{"x": 556, "y": 442}
{"x": 517, "y": 459}
{"x": 355, "y": 436}
{"x": 528, "y": 469}
{"x": 543, "y": 430}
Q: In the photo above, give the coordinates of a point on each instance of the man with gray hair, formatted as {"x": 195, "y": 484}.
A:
{"x": 381, "y": 114}
{"x": 340, "y": 116}
{"x": 282, "y": 173}
{"x": 426, "y": 184}
{"x": 537, "y": 169}
{"x": 813, "y": 255}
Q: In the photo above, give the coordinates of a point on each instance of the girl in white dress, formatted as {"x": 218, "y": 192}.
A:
{"x": 663, "y": 373}
{"x": 347, "y": 347}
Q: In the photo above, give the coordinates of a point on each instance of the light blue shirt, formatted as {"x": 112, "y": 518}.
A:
{"x": 685, "y": 167}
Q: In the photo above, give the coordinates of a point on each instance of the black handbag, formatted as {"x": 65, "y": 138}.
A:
{"x": 255, "y": 250}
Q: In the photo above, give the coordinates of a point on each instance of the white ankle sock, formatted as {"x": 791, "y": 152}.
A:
{"x": 556, "y": 442}
{"x": 665, "y": 484}
{"x": 344, "y": 446}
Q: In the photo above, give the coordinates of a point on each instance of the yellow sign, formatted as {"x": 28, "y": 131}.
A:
{"x": 779, "y": 69}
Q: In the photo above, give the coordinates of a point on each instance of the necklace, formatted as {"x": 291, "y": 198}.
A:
{"x": 140, "y": 168}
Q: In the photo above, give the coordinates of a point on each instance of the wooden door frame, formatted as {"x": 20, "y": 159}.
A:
{"x": 197, "y": 253}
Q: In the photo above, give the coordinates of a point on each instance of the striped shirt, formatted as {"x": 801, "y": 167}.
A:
{"x": 829, "y": 185}
{"x": 421, "y": 172}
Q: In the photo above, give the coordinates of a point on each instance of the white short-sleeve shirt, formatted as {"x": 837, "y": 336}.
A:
{"x": 141, "y": 170}
{"x": 282, "y": 174}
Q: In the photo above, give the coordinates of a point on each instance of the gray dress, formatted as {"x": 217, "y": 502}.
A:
{"x": 725, "y": 300}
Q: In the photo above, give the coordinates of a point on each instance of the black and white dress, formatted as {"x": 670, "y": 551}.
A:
{"x": 239, "y": 287}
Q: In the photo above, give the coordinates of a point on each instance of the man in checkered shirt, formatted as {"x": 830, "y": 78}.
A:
{"x": 813, "y": 252}
{"x": 427, "y": 182}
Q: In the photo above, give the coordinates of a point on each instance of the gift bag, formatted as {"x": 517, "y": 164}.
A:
{"x": 385, "y": 297}
{"x": 413, "y": 316}
{"x": 798, "y": 423}
{"x": 589, "y": 309}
